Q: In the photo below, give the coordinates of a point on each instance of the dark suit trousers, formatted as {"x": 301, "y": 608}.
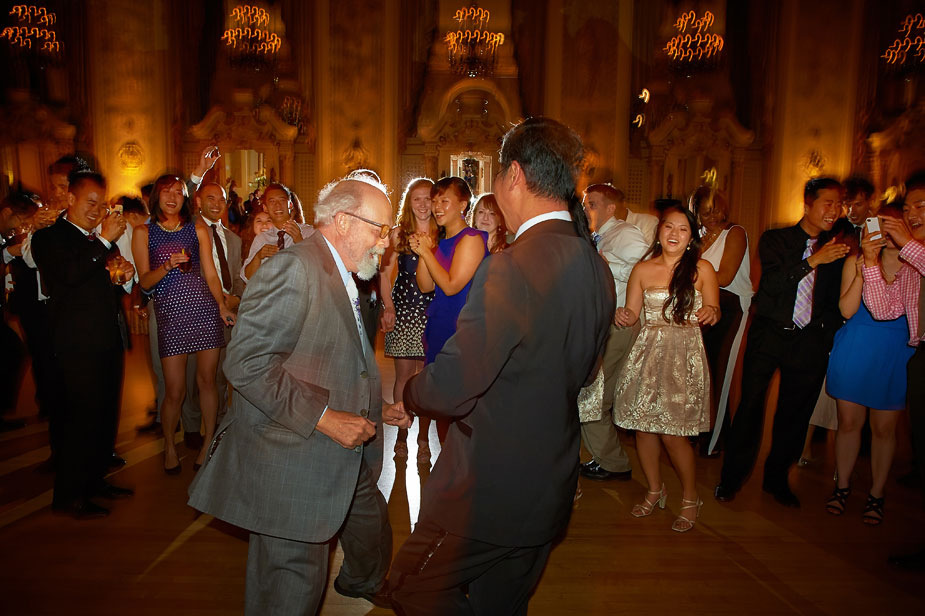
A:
{"x": 434, "y": 569}
{"x": 11, "y": 362}
{"x": 802, "y": 357}
{"x": 91, "y": 388}
{"x": 915, "y": 372}
{"x": 37, "y": 327}
{"x": 287, "y": 577}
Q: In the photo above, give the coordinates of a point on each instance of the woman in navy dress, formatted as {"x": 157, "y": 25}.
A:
{"x": 404, "y": 308}
{"x": 188, "y": 304}
{"x": 867, "y": 369}
{"x": 448, "y": 269}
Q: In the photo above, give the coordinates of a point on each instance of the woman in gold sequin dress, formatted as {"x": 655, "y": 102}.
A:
{"x": 664, "y": 391}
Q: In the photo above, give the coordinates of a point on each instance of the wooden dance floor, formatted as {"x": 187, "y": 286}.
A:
{"x": 154, "y": 555}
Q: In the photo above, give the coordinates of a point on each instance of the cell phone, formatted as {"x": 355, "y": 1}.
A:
{"x": 116, "y": 209}
{"x": 873, "y": 226}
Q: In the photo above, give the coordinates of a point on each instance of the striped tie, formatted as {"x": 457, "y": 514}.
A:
{"x": 803, "y": 306}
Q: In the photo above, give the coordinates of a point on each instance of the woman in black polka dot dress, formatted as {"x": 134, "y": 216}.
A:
{"x": 404, "y": 311}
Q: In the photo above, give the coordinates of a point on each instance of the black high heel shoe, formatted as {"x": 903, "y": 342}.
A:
{"x": 173, "y": 470}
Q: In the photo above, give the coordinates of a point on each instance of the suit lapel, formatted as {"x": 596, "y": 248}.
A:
{"x": 342, "y": 304}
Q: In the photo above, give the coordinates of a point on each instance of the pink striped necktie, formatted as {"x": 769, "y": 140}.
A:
{"x": 803, "y": 306}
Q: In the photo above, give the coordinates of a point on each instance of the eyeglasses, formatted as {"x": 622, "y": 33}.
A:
{"x": 384, "y": 230}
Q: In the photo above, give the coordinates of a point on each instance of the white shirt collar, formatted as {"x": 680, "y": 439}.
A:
{"x": 78, "y": 227}
{"x": 341, "y": 268}
{"x": 557, "y": 215}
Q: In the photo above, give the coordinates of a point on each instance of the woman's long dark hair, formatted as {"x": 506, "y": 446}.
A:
{"x": 681, "y": 289}
{"x": 154, "y": 202}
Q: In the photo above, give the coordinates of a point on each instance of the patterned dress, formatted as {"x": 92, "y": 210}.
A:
{"x": 406, "y": 340}
{"x": 188, "y": 318}
{"x": 665, "y": 385}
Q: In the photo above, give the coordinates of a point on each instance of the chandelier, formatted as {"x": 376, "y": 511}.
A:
{"x": 908, "y": 50}
{"x": 34, "y": 30}
{"x": 253, "y": 45}
{"x": 472, "y": 47}
{"x": 694, "y": 47}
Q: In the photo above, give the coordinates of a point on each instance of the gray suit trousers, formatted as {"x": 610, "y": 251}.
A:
{"x": 286, "y": 577}
{"x": 600, "y": 437}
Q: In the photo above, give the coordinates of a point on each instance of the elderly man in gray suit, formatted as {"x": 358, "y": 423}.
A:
{"x": 297, "y": 459}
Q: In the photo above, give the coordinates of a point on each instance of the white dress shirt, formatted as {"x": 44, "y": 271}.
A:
{"x": 647, "y": 223}
{"x": 220, "y": 228}
{"x": 622, "y": 244}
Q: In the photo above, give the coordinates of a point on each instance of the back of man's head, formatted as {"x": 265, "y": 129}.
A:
{"x": 549, "y": 154}
{"x": 610, "y": 194}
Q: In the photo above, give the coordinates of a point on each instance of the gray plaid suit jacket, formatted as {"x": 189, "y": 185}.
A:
{"x": 295, "y": 350}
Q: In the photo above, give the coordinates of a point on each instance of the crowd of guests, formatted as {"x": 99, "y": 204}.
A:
{"x": 838, "y": 302}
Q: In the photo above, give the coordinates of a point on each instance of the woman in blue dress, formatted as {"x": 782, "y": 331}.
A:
{"x": 867, "y": 369}
{"x": 188, "y": 303}
{"x": 448, "y": 269}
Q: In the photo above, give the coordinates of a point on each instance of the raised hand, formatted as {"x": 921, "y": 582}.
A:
{"x": 113, "y": 226}
{"x": 871, "y": 245}
{"x": 292, "y": 228}
{"x": 897, "y": 230}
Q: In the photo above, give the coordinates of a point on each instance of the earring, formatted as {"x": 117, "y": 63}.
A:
{"x": 688, "y": 247}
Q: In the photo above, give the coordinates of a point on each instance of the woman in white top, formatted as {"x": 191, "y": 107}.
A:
{"x": 725, "y": 246}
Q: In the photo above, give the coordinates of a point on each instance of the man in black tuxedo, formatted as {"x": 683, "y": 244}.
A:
{"x": 527, "y": 340}
{"x": 795, "y": 320}
{"x": 87, "y": 339}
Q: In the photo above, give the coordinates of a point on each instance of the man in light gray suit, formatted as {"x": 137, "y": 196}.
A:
{"x": 211, "y": 204}
{"x": 298, "y": 455}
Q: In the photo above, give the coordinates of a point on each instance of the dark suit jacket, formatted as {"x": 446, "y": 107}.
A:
{"x": 295, "y": 350}
{"x": 526, "y": 341}
{"x": 84, "y": 303}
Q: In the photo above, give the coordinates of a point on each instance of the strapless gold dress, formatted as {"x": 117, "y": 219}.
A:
{"x": 665, "y": 384}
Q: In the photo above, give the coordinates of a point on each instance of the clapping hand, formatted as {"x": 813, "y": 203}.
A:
{"x": 292, "y": 228}
{"x": 831, "y": 252}
{"x": 396, "y": 415}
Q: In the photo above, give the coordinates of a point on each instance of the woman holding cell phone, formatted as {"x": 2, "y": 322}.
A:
{"x": 188, "y": 304}
{"x": 867, "y": 369}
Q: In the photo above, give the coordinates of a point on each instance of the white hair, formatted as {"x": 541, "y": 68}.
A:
{"x": 343, "y": 195}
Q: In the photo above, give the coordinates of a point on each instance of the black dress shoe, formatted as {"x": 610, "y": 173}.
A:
{"x": 380, "y": 598}
{"x": 116, "y": 460}
{"x": 910, "y": 562}
{"x": 81, "y": 510}
{"x": 193, "y": 440}
{"x": 724, "y": 494}
{"x": 593, "y": 470}
{"x": 111, "y": 492}
{"x": 783, "y": 495}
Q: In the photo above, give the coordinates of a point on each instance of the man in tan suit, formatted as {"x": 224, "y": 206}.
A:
{"x": 298, "y": 455}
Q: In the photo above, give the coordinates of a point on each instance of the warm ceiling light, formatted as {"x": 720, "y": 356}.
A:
{"x": 472, "y": 47}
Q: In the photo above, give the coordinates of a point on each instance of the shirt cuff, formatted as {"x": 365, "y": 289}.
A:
{"x": 105, "y": 242}
{"x": 7, "y": 257}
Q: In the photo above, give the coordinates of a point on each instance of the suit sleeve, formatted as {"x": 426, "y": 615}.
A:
{"x": 58, "y": 262}
{"x": 270, "y": 321}
{"x": 489, "y": 328}
{"x": 779, "y": 271}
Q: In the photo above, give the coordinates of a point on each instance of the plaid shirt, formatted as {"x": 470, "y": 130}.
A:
{"x": 887, "y": 302}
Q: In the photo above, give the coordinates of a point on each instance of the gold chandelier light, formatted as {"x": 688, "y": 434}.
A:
{"x": 472, "y": 47}
{"x": 34, "y": 30}
{"x": 908, "y": 50}
{"x": 694, "y": 46}
{"x": 252, "y": 44}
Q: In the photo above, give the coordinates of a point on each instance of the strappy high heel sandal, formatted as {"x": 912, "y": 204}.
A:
{"x": 646, "y": 507}
{"x": 836, "y": 503}
{"x": 683, "y": 524}
{"x": 873, "y": 511}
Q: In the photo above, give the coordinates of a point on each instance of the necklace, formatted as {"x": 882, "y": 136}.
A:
{"x": 179, "y": 223}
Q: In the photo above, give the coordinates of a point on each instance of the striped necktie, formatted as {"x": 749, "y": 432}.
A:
{"x": 803, "y": 306}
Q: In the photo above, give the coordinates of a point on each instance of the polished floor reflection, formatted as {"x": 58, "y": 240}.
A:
{"x": 154, "y": 555}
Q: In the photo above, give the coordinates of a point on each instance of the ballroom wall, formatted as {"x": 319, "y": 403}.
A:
{"x": 143, "y": 86}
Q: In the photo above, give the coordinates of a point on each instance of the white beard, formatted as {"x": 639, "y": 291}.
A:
{"x": 369, "y": 264}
